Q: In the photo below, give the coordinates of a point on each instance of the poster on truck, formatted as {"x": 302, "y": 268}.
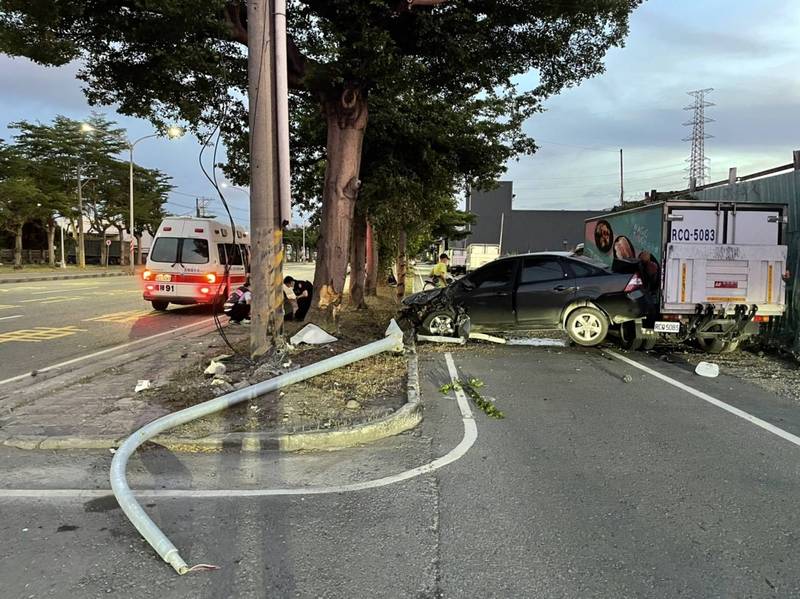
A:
{"x": 624, "y": 235}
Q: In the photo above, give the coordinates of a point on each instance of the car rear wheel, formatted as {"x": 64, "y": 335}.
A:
{"x": 587, "y": 326}
{"x": 440, "y": 323}
{"x": 159, "y": 305}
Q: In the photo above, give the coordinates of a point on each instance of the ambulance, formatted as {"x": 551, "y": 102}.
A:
{"x": 195, "y": 261}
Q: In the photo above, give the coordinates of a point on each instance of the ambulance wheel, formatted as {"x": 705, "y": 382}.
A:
{"x": 159, "y": 305}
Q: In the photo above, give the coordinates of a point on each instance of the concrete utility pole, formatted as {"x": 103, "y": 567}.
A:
{"x": 621, "y": 181}
{"x": 266, "y": 267}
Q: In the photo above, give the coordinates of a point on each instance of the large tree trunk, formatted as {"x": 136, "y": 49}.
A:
{"x": 18, "y": 248}
{"x": 401, "y": 266}
{"x": 358, "y": 258}
{"x": 51, "y": 242}
{"x": 139, "y": 250}
{"x": 371, "y": 283}
{"x": 346, "y": 117}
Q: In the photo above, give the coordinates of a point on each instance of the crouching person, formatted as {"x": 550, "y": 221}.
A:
{"x": 238, "y": 305}
{"x": 303, "y": 292}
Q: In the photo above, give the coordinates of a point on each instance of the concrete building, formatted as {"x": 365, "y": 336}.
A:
{"x": 522, "y": 230}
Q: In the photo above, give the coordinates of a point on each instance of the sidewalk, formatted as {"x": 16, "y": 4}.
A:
{"x": 95, "y": 406}
{"x": 38, "y": 273}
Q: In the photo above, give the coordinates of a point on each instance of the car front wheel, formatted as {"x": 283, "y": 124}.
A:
{"x": 440, "y": 323}
{"x": 587, "y": 326}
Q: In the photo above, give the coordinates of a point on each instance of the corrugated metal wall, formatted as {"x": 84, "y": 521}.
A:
{"x": 780, "y": 189}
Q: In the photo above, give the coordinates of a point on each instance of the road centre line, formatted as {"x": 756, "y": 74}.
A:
{"x": 786, "y": 436}
{"x": 103, "y": 352}
{"x": 467, "y": 441}
{"x": 10, "y": 317}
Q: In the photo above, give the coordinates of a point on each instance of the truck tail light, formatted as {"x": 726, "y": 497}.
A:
{"x": 761, "y": 319}
{"x": 146, "y": 275}
{"x": 634, "y": 284}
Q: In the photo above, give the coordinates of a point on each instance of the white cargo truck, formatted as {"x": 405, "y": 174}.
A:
{"x": 716, "y": 270}
{"x": 479, "y": 254}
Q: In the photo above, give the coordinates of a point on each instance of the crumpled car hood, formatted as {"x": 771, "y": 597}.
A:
{"x": 422, "y": 297}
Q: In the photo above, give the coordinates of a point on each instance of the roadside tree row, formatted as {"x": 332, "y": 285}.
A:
{"x": 69, "y": 171}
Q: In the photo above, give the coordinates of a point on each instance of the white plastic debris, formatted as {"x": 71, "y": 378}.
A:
{"x": 439, "y": 339}
{"x": 141, "y": 385}
{"x": 313, "y": 335}
{"x": 490, "y": 338}
{"x": 215, "y": 368}
{"x": 707, "y": 369}
{"x": 537, "y": 342}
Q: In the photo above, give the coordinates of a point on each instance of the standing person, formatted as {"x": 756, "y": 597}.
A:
{"x": 303, "y": 292}
{"x": 439, "y": 272}
{"x": 237, "y": 307}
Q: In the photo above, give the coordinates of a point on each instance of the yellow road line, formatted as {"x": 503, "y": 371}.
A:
{"x": 124, "y": 317}
{"x": 38, "y": 334}
{"x": 7, "y": 306}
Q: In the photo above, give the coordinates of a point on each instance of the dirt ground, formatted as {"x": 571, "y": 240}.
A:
{"x": 364, "y": 391}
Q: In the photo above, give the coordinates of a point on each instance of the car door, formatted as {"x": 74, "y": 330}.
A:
{"x": 486, "y": 294}
{"x": 545, "y": 288}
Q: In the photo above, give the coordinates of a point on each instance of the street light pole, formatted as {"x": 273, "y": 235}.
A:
{"x": 172, "y": 133}
{"x": 304, "y": 240}
{"x": 81, "y": 246}
{"x": 63, "y": 258}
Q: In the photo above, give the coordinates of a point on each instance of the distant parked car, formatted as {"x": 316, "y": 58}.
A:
{"x": 529, "y": 292}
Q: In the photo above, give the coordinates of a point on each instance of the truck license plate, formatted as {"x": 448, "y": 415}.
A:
{"x": 667, "y": 327}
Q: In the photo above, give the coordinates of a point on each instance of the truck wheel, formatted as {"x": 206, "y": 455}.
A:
{"x": 711, "y": 346}
{"x": 440, "y": 323}
{"x": 159, "y": 305}
{"x": 731, "y": 346}
{"x": 649, "y": 342}
{"x": 627, "y": 336}
{"x": 587, "y": 326}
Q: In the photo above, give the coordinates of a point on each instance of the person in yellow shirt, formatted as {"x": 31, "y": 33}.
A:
{"x": 439, "y": 272}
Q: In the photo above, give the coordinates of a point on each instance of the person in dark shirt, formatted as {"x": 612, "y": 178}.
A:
{"x": 304, "y": 292}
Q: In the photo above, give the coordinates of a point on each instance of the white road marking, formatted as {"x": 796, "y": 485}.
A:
{"x": 712, "y": 400}
{"x": 10, "y": 317}
{"x": 104, "y": 351}
{"x": 468, "y": 440}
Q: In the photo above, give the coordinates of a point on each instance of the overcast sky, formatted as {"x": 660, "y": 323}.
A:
{"x": 747, "y": 51}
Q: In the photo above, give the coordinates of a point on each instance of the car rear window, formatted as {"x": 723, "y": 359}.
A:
{"x": 181, "y": 250}
{"x": 584, "y": 269}
{"x": 165, "y": 249}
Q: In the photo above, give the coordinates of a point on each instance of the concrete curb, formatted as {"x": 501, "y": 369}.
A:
{"x": 405, "y": 418}
{"x": 34, "y": 279}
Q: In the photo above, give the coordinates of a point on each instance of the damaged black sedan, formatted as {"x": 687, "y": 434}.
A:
{"x": 531, "y": 292}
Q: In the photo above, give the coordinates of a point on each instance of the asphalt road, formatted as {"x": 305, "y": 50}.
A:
{"x": 47, "y": 322}
{"x": 590, "y": 487}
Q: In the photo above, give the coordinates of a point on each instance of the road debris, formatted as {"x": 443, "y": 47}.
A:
{"x": 312, "y": 335}
{"x": 215, "y": 368}
{"x": 142, "y": 385}
{"x": 707, "y": 369}
{"x": 440, "y": 339}
{"x": 627, "y": 378}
